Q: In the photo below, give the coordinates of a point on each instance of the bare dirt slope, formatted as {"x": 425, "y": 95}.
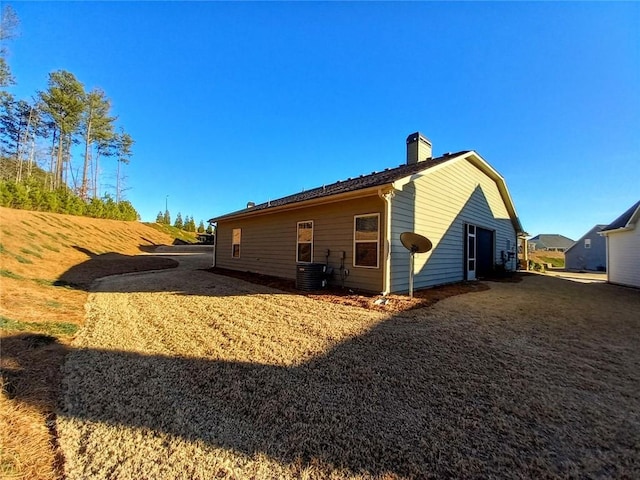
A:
{"x": 187, "y": 374}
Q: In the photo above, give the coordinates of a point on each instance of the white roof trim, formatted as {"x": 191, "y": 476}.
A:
{"x": 477, "y": 161}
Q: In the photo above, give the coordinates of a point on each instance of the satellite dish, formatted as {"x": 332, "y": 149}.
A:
{"x": 415, "y": 243}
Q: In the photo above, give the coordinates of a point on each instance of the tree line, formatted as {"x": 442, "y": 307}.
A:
{"x": 41, "y": 134}
{"x": 33, "y": 193}
{"x": 188, "y": 224}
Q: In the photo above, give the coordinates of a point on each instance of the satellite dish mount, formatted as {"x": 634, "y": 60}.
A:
{"x": 415, "y": 243}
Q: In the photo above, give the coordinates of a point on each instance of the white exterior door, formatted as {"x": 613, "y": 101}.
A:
{"x": 471, "y": 252}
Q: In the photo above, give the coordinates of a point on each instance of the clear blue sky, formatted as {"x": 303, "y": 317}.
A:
{"x": 237, "y": 102}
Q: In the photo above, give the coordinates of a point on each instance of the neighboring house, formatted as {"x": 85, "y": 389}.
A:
{"x": 588, "y": 253}
{"x": 623, "y": 248}
{"x": 550, "y": 242}
{"x": 457, "y": 200}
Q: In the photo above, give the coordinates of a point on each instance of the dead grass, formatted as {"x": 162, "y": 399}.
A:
{"x": 185, "y": 374}
{"x": 33, "y": 299}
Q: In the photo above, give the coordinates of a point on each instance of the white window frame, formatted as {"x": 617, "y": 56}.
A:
{"x": 298, "y": 242}
{"x": 233, "y": 230}
{"x": 355, "y": 241}
{"x": 587, "y": 243}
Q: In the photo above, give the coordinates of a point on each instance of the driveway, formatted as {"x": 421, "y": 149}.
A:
{"x": 185, "y": 374}
{"x": 582, "y": 277}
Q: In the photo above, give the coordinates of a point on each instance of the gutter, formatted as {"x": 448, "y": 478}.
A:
{"x": 386, "y": 196}
{"x": 364, "y": 192}
{"x": 215, "y": 249}
{"x": 605, "y": 233}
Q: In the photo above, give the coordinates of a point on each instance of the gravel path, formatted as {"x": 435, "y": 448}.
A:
{"x": 185, "y": 374}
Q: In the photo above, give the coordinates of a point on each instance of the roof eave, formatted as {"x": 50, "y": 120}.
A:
{"x": 482, "y": 164}
{"x": 626, "y": 228}
{"x": 363, "y": 192}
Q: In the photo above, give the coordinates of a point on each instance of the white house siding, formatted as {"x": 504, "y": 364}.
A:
{"x": 437, "y": 205}
{"x": 624, "y": 257}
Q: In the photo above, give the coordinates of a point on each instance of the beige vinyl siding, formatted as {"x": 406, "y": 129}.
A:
{"x": 437, "y": 205}
{"x": 623, "y": 265}
{"x": 269, "y": 241}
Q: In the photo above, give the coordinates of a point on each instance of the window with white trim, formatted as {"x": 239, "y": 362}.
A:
{"x": 304, "y": 252}
{"x": 366, "y": 240}
{"x": 587, "y": 243}
{"x": 236, "y": 238}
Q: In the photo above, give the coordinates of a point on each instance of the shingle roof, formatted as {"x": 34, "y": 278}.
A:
{"x": 552, "y": 240}
{"x": 374, "y": 179}
{"x": 623, "y": 219}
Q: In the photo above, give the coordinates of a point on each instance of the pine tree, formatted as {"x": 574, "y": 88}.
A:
{"x": 201, "y": 227}
{"x": 124, "y": 144}
{"x": 191, "y": 225}
{"x": 178, "y": 223}
{"x": 8, "y": 26}
{"x": 97, "y": 126}
{"x": 160, "y": 218}
{"x": 167, "y": 218}
{"x": 63, "y": 102}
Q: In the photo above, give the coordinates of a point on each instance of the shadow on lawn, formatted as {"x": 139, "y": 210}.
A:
{"x": 82, "y": 275}
{"x": 409, "y": 397}
{"x": 372, "y": 405}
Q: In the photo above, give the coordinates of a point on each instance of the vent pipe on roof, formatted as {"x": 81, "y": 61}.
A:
{"x": 418, "y": 148}
{"x": 250, "y": 204}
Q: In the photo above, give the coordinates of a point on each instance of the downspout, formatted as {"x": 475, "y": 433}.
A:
{"x": 215, "y": 244}
{"x": 386, "y": 277}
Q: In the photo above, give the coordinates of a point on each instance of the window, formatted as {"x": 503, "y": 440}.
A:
{"x": 587, "y": 243}
{"x": 305, "y": 242}
{"x": 235, "y": 242}
{"x": 366, "y": 239}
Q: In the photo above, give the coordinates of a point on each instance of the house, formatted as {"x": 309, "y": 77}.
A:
{"x": 550, "y": 242}
{"x": 353, "y": 226}
{"x": 588, "y": 253}
{"x": 623, "y": 248}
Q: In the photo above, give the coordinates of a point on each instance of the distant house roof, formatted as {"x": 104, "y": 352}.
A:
{"x": 373, "y": 179}
{"x": 552, "y": 240}
{"x": 625, "y": 220}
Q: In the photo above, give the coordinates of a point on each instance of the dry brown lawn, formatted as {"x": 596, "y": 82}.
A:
{"x": 188, "y": 374}
{"x": 47, "y": 262}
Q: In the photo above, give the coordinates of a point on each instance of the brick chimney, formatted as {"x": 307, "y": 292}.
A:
{"x": 418, "y": 148}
